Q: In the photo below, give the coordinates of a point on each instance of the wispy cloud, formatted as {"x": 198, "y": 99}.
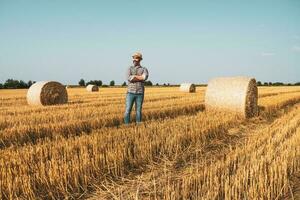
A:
{"x": 267, "y": 54}
{"x": 296, "y": 48}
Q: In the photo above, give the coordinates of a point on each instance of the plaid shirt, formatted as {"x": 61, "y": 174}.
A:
{"x": 136, "y": 87}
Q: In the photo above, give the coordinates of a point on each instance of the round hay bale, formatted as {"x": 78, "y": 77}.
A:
{"x": 236, "y": 94}
{"x": 92, "y": 88}
{"x": 187, "y": 87}
{"x": 47, "y": 93}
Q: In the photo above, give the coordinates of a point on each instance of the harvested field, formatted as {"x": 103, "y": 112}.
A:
{"x": 81, "y": 149}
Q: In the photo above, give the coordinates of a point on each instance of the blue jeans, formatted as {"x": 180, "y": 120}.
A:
{"x": 137, "y": 99}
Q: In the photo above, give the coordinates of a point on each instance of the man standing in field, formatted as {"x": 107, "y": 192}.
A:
{"x": 136, "y": 76}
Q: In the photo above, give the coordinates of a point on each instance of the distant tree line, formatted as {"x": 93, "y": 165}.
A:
{"x": 259, "y": 83}
{"x": 95, "y": 82}
{"x": 15, "y": 84}
{"x": 18, "y": 84}
{"x": 111, "y": 83}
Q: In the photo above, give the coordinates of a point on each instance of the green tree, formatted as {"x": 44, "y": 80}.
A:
{"x": 22, "y": 84}
{"x": 29, "y": 83}
{"x": 259, "y": 83}
{"x": 13, "y": 84}
{"x": 112, "y": 83}
{"x": 278, "y": 84}
{"x": 98, "y": 82}
{"x": 81, "y": 82}
{"x": 124, "y": 84}
{"x": 95, "y": 82}
{"x": 148, "y": 83}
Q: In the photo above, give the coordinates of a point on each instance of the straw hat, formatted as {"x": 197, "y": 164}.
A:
{"x": 137, "y": 56}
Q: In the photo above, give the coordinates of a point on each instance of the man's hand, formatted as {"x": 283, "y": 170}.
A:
{"x": 138, "y": 78}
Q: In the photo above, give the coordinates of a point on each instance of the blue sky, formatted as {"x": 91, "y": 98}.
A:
{"x": 181, "y": 40}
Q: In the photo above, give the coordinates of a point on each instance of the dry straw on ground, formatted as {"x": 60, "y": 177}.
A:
{"x": 236, "y": 94}
{"x": 47, "y": 93}
{"x": 92, "y": 88}
{"x": 187, "y": 87}
{"x": 65, "y": 152}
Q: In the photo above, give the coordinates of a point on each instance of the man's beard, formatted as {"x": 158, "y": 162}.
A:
{"x": 135, "y": 63}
